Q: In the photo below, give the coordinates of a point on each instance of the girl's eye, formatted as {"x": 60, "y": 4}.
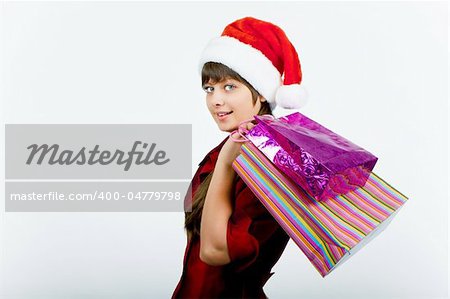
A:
{"x": 208, "y": 89}
{"x": 229, "y": 85}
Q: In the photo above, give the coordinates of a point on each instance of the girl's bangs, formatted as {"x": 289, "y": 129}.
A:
{"x": 217, "y": 72}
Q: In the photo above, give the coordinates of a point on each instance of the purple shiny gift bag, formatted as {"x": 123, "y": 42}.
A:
{"x": 323, "y": 163}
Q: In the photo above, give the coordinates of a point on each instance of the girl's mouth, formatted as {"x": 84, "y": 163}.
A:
{"x": 223, "y": 115}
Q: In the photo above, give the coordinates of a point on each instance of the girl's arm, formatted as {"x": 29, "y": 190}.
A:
{"x": 217, "y": 208}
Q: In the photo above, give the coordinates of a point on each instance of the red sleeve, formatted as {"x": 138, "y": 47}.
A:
{"x": 243, "y": 238}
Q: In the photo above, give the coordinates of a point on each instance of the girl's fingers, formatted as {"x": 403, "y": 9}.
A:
{"x": 244, "y": 127}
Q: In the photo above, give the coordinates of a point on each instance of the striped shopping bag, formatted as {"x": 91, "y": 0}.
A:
{"x": 328, "y": 231}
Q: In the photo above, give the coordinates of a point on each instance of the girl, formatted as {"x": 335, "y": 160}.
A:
{"x": 232, "y": 240}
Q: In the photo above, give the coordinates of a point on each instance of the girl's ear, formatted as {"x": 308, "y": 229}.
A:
{"x": 262, "y": 99}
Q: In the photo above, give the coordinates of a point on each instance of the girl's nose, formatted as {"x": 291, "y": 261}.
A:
{"x": 218, "y": 99}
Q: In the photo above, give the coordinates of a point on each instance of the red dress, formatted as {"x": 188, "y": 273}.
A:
{"x": 255, "y": 243}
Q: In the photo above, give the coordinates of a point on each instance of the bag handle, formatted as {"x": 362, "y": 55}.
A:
{"x": 266, "y": 117}
{"x": 241, "y": 130}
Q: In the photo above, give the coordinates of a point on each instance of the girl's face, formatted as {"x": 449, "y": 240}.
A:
{"x": 230, "y": 102}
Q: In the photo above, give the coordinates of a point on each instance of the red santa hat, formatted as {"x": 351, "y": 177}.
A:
{"x": 261, "y": 53}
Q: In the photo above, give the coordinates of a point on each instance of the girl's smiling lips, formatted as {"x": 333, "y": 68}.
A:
{"x": 223, "y": 114}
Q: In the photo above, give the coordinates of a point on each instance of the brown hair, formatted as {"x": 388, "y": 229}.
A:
{"x": 215, "y": 72}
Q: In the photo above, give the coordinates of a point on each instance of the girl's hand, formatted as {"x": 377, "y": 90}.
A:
{"x": 231, "y": 149}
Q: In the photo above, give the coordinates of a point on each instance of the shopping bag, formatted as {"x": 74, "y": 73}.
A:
{"x": 329, "y": 231}
{"x": 322, "y": 162}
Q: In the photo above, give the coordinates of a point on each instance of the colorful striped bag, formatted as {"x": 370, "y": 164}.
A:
{"x": 328, "y": 231}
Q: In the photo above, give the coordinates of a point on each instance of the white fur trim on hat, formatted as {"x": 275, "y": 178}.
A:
{"x": 291, "y": 96}
{"x": 248, "y": 62}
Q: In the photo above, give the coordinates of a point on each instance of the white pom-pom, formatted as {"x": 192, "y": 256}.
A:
{"x": 291, "y": 96}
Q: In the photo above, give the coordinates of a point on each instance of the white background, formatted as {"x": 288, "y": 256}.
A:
{"x": 376, "y": 73}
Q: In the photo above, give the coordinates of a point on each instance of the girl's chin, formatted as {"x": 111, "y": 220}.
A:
{"x": 227, "y": 128}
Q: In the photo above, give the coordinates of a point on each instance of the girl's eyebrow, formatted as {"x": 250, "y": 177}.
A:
{"x": 232, "y": 81}
{"x": 224, "y": 81}
{"x": 208, "y": 84}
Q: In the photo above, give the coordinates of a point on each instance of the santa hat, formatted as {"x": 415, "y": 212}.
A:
{"x": 261, "y": 53}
